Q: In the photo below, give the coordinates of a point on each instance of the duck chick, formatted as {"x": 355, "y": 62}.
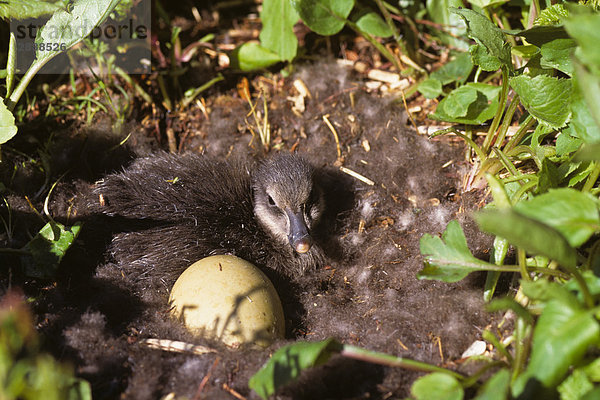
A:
{"x": 173, "y": 210}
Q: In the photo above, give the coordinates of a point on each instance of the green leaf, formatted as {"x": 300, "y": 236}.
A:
{"x": 457, "y": 70}
{"x": 583, "y": 123}
{"x": 437, "y": 386}
{"x": 542, "y": 291}
{"x": 439, "y": 12}
{"x": 553, "y": 15}
{"x": 572, "y": 213}
{"x": 473, "y": 104}
{"x": 584, "y": 29}
{"x": 252, "y": 56}
{"x": 590, "y": 152}
{"x": 560, "y": 339}
{"x": 277, "y": 34}
{"x": 19, "y": 9}
{"x": 288, "y": 362}
{"x": 546, "y": 98}
{"x": 8, "y": 129}
{"x": 486, "y": 34}
{"x": 325, "y": 17}
{"x": 566, "y": 144}
{"x": 430, "y": 88}
{"x": 575, "y": 386}
{"x": 589, "y": 87}
{"x": 448, "y": 259}
{"x": 47, "y": 249}
{"x": 496, "y": 388}
{"x": 539, "y": 35}
{"x": 487, "y": 3}
{"x": 373, "y": 24}
{"x": 483, "y": 59}
{"x": 527, "y": 233}
{"x": 67, "y": 28}
{"x": 557, "y": 54}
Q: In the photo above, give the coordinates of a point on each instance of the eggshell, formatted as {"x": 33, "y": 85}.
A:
{"x": 228, "y": 298}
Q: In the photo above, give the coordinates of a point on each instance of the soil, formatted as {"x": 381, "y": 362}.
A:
{"x": 94, "y": 318}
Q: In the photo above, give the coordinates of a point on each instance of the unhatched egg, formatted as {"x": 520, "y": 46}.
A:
{"x": 228, "y": 298}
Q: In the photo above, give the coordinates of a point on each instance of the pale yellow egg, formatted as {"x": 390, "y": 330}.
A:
{"x": 228, "y": 298}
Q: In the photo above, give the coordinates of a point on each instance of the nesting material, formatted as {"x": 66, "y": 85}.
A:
{"x": 227, "y": 298}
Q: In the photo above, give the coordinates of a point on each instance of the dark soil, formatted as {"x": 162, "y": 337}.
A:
{"x": 96, "y": 319}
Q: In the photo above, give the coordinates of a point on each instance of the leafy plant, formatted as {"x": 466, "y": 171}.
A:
{"x": 25, "y": 372}
{"x": 544, "y": 184}
{"x": 326, "y": 17}
{"x": 53, "y": 38}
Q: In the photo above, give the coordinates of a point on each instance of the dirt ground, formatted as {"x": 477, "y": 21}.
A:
{"x": 368, "y": 295}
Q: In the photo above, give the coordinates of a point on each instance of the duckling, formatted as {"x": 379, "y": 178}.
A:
{"x": 176, "y": 209}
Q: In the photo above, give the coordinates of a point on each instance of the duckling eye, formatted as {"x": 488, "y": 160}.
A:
{"x": 271, "y": 201}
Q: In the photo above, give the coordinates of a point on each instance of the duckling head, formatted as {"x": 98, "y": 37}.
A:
{"x": 287, "y": 202}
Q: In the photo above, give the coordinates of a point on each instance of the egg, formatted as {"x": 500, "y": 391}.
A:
{"x": 230, "y": 299}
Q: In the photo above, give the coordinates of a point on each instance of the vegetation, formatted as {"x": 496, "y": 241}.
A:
{"x": 534, "y": 65}
{"x": 545, "y": 204}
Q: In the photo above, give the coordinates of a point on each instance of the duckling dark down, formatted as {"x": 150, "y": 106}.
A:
{"x": 175, "y": 210}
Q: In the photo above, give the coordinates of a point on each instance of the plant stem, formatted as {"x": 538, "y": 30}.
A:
{"x": 516, "y": 139}
{"x": 16, "y": 95}
{"x": 507, "y": 120}
{"x": 522, "y": 257}
{"x": 467, "y": 139}
{"x": 501, "y": 105}
{"x": 358, "y": 353}
{"x": 592, "y": 178}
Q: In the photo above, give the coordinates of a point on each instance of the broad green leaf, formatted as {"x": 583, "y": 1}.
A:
{"x": 487, "y": 3}
{"x": 430, "y": 88}
{"x": 437, "y": 386}
{"x": 486, "y": 34}
{"x": 47, "y": 249}
{"x": 545, "y": 97}
{"x": 439, "y": 12}
{"x": 566, "y": 143}
{"x": 593, "y": 394}
{"x": 483, "y": 59}
{"x": 373, "y": 24}
{"x": 278, "y": 18}
{"x": 583, "y": 123}
{"x": 288, "y": 362}
{"x": 590, "y": 152}
{"x": 560, "y": 339}
{"x": 593, "y": 284}
{"x": 572, "y": 213}
{"x": 448, "y": 258}
{"x": 542, "y": 291}
{"x": 252, "y": 56}
{"x": 539, "y": 35}
{"x": 589, "y": 87}
{"x": 8, "y": 129}
{"x": 496, "y": 388}
{"x": 527, "y": 233}
{"x": 67, "y": 28}
{"x": 557, "y": 54}
{"x": 19, "y": 9}
{"x": 457, "y": 70}
{"x": 584, "y": 29}
{"x": 548, "y": 175}
{"x": 325, "y": 17}
{"x": 473, "y": 104}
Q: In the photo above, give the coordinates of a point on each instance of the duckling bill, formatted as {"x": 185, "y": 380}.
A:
{"x": 173, "y": 210}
